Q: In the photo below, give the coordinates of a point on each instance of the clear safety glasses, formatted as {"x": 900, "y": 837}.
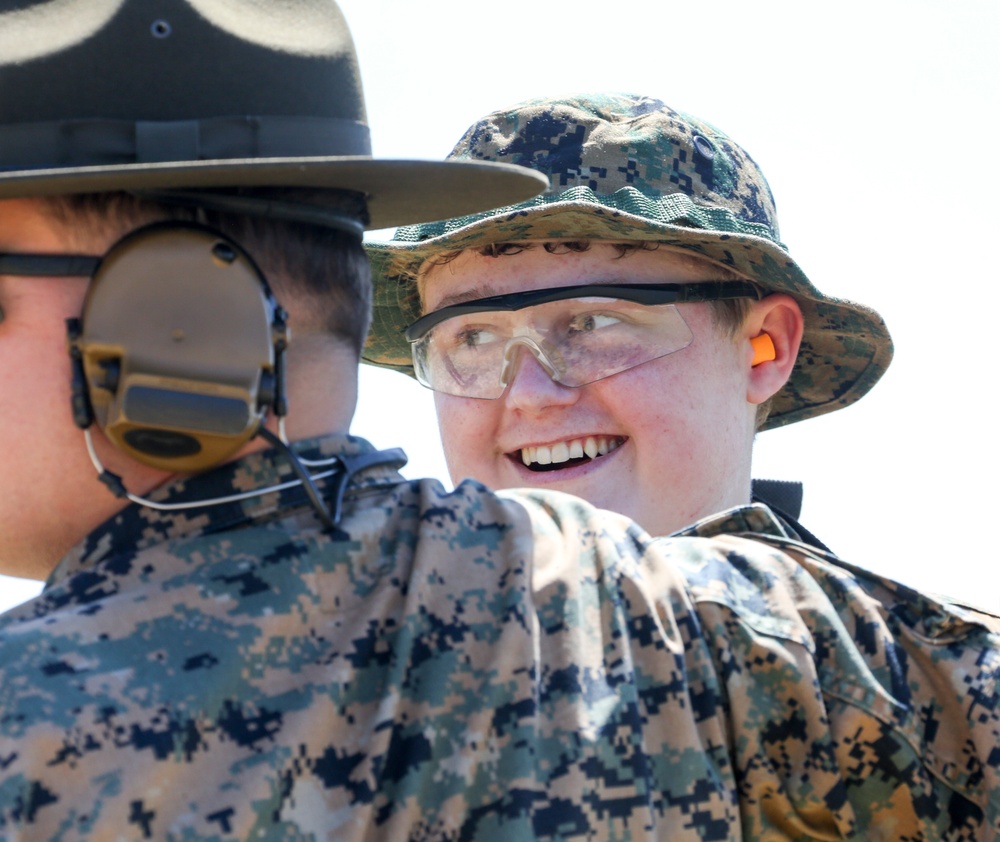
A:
{"x": 578, "y": 334}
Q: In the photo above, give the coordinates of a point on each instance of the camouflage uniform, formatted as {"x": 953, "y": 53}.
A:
{"x": 475, "y": 666}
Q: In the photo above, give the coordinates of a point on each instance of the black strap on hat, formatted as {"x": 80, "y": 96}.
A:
{"x": 95, "y": 142}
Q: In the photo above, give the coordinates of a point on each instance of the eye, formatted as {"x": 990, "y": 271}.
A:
{"x": 471, "y": 337}
{"x": 589, "y": 322}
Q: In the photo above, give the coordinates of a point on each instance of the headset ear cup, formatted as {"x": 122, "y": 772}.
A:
{"x": 763, "y": 349}
{"x": 175, "y": 357}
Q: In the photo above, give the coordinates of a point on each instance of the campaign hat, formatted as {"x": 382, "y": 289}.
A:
{"x": 110, "y": 95}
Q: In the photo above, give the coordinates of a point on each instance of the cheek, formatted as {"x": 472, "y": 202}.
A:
{"x": 36, "y": 370}
{"x": 682, "y": 396}
{"x": 465, "y": 427}
{"x": 652, "y": 397}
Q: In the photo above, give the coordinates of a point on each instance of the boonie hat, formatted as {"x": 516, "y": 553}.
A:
{"x": 628, "y": 168}
{"x": 99, "y": 95}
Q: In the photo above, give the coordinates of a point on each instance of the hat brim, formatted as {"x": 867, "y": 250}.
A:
{"x": 400, "y": 192}
{"x": 845, "y": 348}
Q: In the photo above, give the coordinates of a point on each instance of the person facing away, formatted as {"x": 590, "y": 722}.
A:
{"x": 252, "y": 627}
{"x": 622, "y": 338}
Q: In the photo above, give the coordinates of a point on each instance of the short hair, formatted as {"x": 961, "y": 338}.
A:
{"x": 324, "y": 269}
{"x": 729, "y": 316}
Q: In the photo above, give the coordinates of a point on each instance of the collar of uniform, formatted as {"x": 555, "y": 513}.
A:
{"x": 933, "y": 616}
{"x": 756, "y": 518}
{"x": 137, "y": 527}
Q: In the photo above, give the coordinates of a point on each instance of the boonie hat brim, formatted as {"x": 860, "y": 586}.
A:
{"x": 845, "y": 347}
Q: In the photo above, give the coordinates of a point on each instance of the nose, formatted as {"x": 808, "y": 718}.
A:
{"x": 530, "y": 387}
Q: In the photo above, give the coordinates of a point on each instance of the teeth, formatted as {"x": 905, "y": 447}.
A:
{"x": 563, "y": 451}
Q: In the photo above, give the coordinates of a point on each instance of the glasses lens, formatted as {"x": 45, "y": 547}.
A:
{"x": 582, "y": 340}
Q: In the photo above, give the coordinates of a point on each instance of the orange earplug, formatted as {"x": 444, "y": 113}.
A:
{"x": 763, "y": 349}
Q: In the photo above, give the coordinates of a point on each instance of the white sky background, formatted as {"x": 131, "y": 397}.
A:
{"x": 876, "y": 126}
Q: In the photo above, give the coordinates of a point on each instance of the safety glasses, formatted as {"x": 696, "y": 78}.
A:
{"x": 578, "y": 334}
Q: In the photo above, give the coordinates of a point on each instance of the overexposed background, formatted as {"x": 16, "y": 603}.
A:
{"x": 876, "y": 125}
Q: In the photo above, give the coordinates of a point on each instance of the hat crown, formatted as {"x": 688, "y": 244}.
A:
{"x": 611, "y": 142}
{"x": 170, "y": 68}
{"x": 182, "y": 95}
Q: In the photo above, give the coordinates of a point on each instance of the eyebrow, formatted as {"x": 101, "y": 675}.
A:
{"x": 486, "y": 291}
{"x": 490, "y": 291}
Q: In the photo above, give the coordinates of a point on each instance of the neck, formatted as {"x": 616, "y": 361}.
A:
{"x": 321, "y": 390}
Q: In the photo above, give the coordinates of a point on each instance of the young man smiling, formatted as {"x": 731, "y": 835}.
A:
{"x": 622, "y": 338}
{"x": 639, "y": 194}
{"x": 665, "y": 442}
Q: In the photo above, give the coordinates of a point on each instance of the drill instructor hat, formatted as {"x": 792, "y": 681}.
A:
{"x": 629, "y": 168}
{"x": 107, "y": 95}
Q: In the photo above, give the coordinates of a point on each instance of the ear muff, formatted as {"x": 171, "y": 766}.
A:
{"x": 763, "y": 349}
{"x": 178, "y": 353}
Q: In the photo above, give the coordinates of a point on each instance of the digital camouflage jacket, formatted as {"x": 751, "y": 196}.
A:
{"x": 470, "y": 666}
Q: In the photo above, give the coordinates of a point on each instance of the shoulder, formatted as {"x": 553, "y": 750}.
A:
{"x": 757, "y": 550}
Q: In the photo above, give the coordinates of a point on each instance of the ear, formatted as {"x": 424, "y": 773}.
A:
{"x": 778, "y": 316}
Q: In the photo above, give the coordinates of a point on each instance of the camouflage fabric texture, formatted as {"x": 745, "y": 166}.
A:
{"x": 470, "y": 666}
{"x": 630, "y": 168}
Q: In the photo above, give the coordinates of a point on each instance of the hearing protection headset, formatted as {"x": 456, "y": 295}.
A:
{"x": 178, "y": 354}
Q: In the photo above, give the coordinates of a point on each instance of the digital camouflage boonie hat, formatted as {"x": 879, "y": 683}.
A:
{"x": 629, "y": 168}
{"x": 102, "y": 95}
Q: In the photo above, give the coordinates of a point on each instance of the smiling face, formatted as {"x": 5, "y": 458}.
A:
{"x": 666, "y": 442}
